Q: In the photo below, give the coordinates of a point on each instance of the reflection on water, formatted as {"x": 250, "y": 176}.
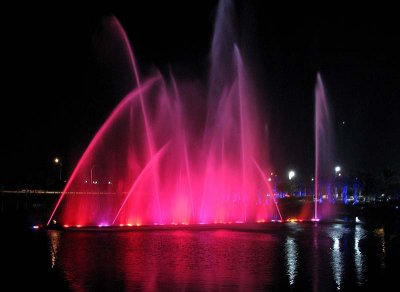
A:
{"x": 271, "y": 259}
{"x": 174, "y": 259}
{"x": 380, "y": 234}
{"x": 337, "y": 262}
{"x": 359, "y": 233}
{"x": 54, "y": 238}
{"x": 315, "y": 259}
{"x": 336, "y": 233}
{"x": 291, "y": 259}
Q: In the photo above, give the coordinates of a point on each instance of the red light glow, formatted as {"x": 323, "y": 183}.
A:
{"x": 143, "y": 156}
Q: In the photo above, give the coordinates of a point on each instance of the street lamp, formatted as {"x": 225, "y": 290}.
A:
{"x": 58, "y": 161}
{"x": 291, "y": 174}
{"x": 91, "y": 174}
{"x": 337, "y": 171}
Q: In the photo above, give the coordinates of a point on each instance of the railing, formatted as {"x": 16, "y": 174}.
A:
{"x": 47, "y": 192}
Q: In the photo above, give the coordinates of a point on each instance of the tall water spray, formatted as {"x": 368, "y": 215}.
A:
{"x": 323, "y": 142}
{"x": 164, "y": 156}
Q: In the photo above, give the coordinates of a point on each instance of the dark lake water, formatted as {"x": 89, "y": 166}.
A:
{"x": 278, "y": 257}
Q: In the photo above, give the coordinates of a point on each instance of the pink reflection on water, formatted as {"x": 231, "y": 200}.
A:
{"x": 173, "y": 260}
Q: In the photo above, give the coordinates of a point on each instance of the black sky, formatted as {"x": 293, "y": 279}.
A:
{"x": 60, "y": 87}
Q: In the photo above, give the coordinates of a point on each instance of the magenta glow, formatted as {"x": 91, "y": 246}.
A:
{"x": 177, "y": 151}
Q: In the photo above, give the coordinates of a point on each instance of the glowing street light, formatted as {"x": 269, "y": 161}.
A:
{"x": 337, "y": 171}
{"x": 58, "y": 161}
{"x": 91, "y": 175}
{"x": 291, "y": 174}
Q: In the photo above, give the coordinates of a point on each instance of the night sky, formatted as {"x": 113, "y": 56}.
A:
{"x": 61, "y": 84}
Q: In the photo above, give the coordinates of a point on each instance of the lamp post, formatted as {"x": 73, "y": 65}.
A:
{"x": 58, "y": 161}
{"x": 292, "y": 185}
{"x": 337, "y": 171}
{"x": 338, "y": 174}
{"x": 91, "y": 174}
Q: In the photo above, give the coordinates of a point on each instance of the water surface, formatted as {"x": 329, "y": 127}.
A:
{"x": 284, "y": 257}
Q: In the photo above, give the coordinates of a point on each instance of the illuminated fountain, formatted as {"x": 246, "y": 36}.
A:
{"x": 323, "y": 144}
{"x": 168, "y": 155}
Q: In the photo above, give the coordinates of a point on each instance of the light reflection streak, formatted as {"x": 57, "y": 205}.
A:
{"x": 337, "y": 262}
{"x": 381, "y": 234}
{"x": 54, "y": 237}
{"x": 358, "y": 256}
{"x": 291, "y": 253}
{"x": 336, "y": 234}
{"x": 315, "y": 258}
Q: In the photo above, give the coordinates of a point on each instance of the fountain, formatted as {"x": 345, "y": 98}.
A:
{"x": 323, "y": 144}
{"x": 164, "y": 156}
